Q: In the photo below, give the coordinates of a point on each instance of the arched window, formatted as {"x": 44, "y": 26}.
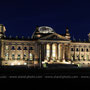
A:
{"x": 72, "y": 49}
{"x": 19, "y": 48}
{"x": 87, "y": 50}
{"x": 30, "y": 48}
{"x": 13, "y": 48}
{"x": 77, "y": 49}
{"x": 82, "y": 49}
{"x": 25, "y": 48}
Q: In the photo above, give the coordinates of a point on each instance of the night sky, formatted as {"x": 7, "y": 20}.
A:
{"x": 22, "y": 16}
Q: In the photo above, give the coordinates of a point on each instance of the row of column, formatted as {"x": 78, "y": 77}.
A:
{"x": 62, "y": 51}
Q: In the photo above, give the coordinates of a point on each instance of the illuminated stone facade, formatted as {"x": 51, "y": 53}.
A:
{"x": 45, "y": 46}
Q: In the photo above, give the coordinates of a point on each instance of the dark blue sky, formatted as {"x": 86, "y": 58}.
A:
{"x": 21, "y": 17}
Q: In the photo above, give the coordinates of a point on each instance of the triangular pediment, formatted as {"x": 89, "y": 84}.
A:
{"x": 54, "y": 36}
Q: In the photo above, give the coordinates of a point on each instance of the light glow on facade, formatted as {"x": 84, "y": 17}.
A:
{"x": 49, "y": 47}
{"x": 48, "y": 51}
{"x": 53, "y": 51}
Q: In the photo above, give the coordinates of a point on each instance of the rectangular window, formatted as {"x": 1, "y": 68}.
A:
{"x": 6, "y": 56}
{"x": 13, "y": 56}
{"x": 6, "y": 48}
{"x": 19, "y": 56}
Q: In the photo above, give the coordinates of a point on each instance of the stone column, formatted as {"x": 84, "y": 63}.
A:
{"x": 61, "y": 52}
{"x": 74, "y": 52}
{"x": 42, "y": 52}
{"x": 16, "y": 52}
{"x": 80, "y": 52}
{"x": 51, "y": 51}
{"x": 63, "y": 47}
{"x": 66, "y": 52}
{"x": 69, "y": 52}
{"x": 57, "y": 51}
{"x": 28, "y": 53}
{"x": 89, "y": 53}
{"x": 2, "y": 50}
{"x": 9, "y": 53}
{"x": 45, "y": 51}
{"x": 23, "y": 52}
{"x": 84, "y": 52}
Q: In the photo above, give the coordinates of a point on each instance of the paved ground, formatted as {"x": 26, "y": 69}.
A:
{"x": 8, "y": 71}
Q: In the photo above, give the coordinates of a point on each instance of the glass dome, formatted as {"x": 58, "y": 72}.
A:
{"x": 45, "y": 29}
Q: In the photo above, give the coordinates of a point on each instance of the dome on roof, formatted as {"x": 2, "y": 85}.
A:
{"x": 45, "y": 29}
{"x": 42, "y": 31}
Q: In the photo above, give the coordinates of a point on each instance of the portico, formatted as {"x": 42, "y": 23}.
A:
{"x": 55, "y": 52}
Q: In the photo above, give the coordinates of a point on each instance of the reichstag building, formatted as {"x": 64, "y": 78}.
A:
{"x": 44, "y": 46}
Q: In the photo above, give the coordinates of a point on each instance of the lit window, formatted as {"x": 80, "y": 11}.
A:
{"x": 6, "y": 56}
{"x": 7, "y": 48}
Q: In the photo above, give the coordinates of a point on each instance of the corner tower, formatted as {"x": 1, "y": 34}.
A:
{"x": 2, "y": 31}
{"x": 67, "y": 33}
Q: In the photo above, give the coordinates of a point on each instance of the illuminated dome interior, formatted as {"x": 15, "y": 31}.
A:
{"x": 45, "y": 29}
